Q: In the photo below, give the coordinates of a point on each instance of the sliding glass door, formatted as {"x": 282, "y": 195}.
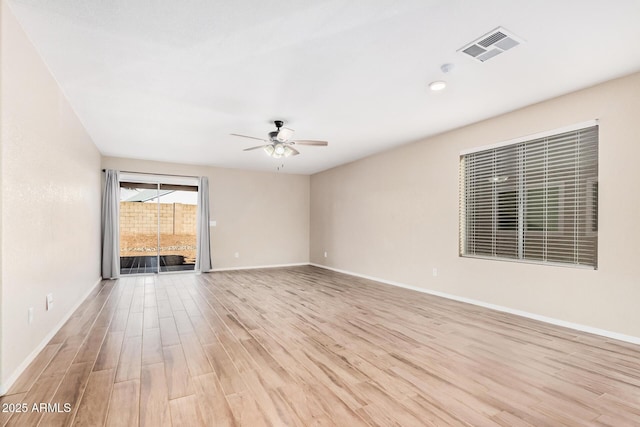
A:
{"x": 138, "y": 228}
{"x": 177, "y": 237}
{"x": 157, "y": 226}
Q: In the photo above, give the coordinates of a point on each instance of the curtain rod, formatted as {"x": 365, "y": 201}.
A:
{"x": 161, "y": 174}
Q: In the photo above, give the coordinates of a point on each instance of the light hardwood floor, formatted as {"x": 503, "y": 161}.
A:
{"x": 304, "y": 346}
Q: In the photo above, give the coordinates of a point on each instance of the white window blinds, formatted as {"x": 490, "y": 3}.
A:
{"x": 535, "y": 200}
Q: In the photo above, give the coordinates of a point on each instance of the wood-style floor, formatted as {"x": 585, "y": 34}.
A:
{"x": 304, "y": 346}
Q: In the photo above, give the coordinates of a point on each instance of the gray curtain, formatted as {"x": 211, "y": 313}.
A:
{"x": 111, "y": 225}
{"x": 203, "y": 255}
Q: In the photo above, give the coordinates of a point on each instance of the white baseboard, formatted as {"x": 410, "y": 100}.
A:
{"x": 298, "y": 264}
{"x": 576, "y": 326}
{"x": 4, "y": 387}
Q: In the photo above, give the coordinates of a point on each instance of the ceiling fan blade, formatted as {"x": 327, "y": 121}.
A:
{"x": 311, "y": 142}
{"x": 284, "y": 134}
{"x": 254, "y": 148}
{"x": 250, "y": 137}
{"x": 294, "y": 152}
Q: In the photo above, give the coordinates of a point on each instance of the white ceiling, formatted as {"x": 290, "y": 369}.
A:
{"x": 170, "y": 80}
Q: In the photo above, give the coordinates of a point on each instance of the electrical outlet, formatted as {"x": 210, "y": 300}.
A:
{"x": 30, "y": 315}
{"x": 49, "y": 301}
{"x": 435, "y": 272}
{"x": 325, "y": 254}
{"x": 237, "y": 255}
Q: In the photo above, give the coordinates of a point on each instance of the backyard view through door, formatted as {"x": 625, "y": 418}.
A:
{"x": 157, "y": 227}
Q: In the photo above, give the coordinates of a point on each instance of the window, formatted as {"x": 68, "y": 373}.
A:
{"x": 532, "y": 200}
{"x": 543, "y": 208}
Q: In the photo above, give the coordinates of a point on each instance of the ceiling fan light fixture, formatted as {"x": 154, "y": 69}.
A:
{"x": 288, "y": 151}
{"x": 278, "y": 150}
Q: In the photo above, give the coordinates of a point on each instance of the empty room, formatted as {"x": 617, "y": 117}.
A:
{"x": 332, "y": 213}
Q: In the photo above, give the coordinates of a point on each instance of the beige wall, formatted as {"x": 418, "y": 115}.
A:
{"x": 395, "y": 216}
{"x": 50, "y": 199}
{"x": 261, "y": 215}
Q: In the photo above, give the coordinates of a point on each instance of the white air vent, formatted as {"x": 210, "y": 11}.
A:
{"x": 491, "y": 44}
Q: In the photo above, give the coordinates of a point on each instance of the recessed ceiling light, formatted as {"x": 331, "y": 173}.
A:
{"x": 437, "y": 85}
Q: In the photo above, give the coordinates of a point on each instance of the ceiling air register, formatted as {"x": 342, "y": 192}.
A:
{"x": 491, "y": 45}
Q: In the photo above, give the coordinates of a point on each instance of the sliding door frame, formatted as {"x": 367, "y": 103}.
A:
{"x": 158, "y": 180}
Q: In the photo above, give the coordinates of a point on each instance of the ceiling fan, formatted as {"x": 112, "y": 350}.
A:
{"x": 280, "y": 143}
